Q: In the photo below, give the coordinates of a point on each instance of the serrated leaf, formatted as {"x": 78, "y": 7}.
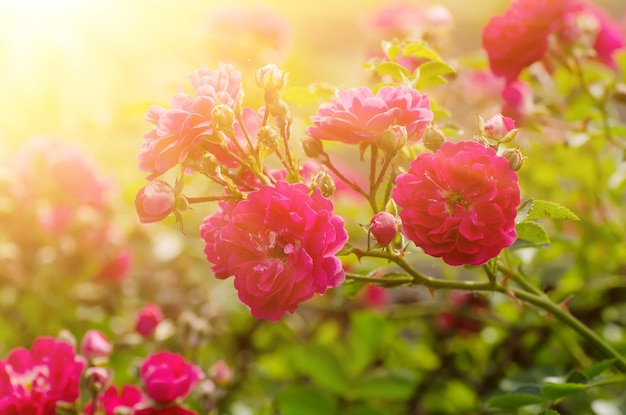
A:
{"x": 392, "y": 69}
{"x": 550, "y": 210}
{"x": 524, "y": 210}
{"x": 555, "y": 391}
{"x": 514, "y": 400}
{"x": 430, "y": 74}
{"x": 598, "y": 368}
{"x": 532, "y": 232}
{"x": 391, "y": 49}
{"x": 420, "y": 50}
{"x": 305, "y": 400}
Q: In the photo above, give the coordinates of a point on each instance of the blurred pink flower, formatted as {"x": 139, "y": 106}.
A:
{"x": 33, "y": 381}
{"x": 518, "y": 101}
{"x": 280, "y": 244}
{"x": 249, "y": 33}
{"x": 167, "y": 410}
{"x": 128, "y": 397}
{"x": 519, "y": 37}
{"x": 117, "y": 267}
{"x": 148, "y": 318}
{"x": 459, "y": 203}
{"x": 179, "y": 133}
{"x": 403, "y": 19}
{"x": 167, "y": 377}
{"x": 95, "y": 345}
{"x": 154, "y": 202}
{"x": 358, "y": 116}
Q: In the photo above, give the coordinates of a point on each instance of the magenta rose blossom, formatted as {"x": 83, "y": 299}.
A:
{"x": 519, "y": 37}
{"x": 459, "y": 203}
{"x": 358, "y": 116}
{"x": 34, "y": 381}
{"x": 154, "y": 202}
{"x": 127, "y": 397}
{"x": 168, "y": 377}
{"x": 148, "y": 318}
{"x": 280, "y": 244}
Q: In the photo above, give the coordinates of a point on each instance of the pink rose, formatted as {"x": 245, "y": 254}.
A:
{"x": 167, "y": 377}
{"x": 384, "y": 227}
{"x": 154, "y": 202}
{"x": 498, "y": 126}
{"x": 127, "y": 397}
{"x": 179, "y": 133}
{"x": 33, "y": 381}
{"x": 116, "y": 268}
{"x": 148, "y": 318}
{"x": 280, "y": 244}
{"x": 519, "y": 37}
{"x": 95, "y": 345}
{"x": 358, "y": 116}
{"x": 459, "y": 203}
{"x": 403, "y": 20}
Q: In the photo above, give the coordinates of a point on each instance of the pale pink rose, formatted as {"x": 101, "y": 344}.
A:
{"x": 147, "y": 320}
{"x": 357, "y": 116}
{"x": 33, "y": 381}
{"x": 179, "y": 133}
{"x": 279, "y": 244}
{"x": 498, "y": 126}
{"x": 168, "y": 376}
{"x": 384, "y": 227}
{"x": 459, "y": 203}
{"x": 154, "y": 202}
{"x": 127, "y": 397}
{"x": 519, "y": 37}
{"x": 95, "y": 345}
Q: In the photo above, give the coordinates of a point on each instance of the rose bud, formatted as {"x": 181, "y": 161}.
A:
{"x": 148, "y": 318}
{"x": 154, "y": 202}
{"x": 384, "y": 227}
{"x": 95, "y": 345}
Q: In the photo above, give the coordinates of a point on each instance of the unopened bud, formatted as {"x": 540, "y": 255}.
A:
{"x": 514, "y": 157}
{"x": 392, "y": 140}
{"x": 384, "y": 227}
{"x": 222, "y": 118}
{"x": 271, "y": 78}
{"x": 325, "y": 183}
{"x": 269, "y": 137}
{"x": 433, "y": 138}
{"x": 313, "y": 147}
{"x": 210, "y": 165}
{"x": 95, "y": 346}
{"x": 221, "y": 373}
{"x": 497, "y": 127}
{"x": 96, "y": 378}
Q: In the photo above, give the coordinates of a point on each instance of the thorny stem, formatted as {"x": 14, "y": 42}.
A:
{"x": 539, "y": 300}
{"x": 373, "y": 160}
{"x": 205, "y": 199}
{"x": 349, "y": 183}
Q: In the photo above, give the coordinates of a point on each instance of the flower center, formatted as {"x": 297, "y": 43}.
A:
{"x": 454, "y": 198}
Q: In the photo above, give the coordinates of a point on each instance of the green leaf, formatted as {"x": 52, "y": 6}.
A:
{"x": 362, "y": 410}
{"x": 322, "y": 366}
{"x": 524, "y": 210}
{"x": 549, "y": 412}
{"x": 366, "y": 335}
{"x": 550, "y": 210}
{"x": 391, "y": 386}
{"x": 392, "y": 69}
{"x": 514, "y": 400}
{"x": 577, "y": 377}
{"x": 532, "y": 232}
{"x": 430, "y": 74}
{"x": 420, "y": 50}
{"x": 439, "y": 111}
{"x": 598, "y": 368}
{"x": 391, "y": 49}
{"x": 555, "y": 391}
{"x": 305, "y": 400}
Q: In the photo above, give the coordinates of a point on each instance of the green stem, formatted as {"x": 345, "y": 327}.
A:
{"x": 344, "y": 179}
{"x": 541, "y": 301}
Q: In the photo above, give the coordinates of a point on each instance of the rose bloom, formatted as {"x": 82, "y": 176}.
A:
{"x": 167, "y": 377}
{"x": 519, "y": 37}
{"x": 95, "y": 345}
{"x": 154, "y": 202}
{"x": 459, "y": 203}
{"x": 358, "y": 116}
{"x": 32, "y": 382}
{"x": 280, "y": 244}
{"x": 178, "y": 133}
{"x": 148, "y": 318}
{"x": 127, "y": 397}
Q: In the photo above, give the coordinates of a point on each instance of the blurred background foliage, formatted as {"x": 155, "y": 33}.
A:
{"x": 87, "y": 72}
